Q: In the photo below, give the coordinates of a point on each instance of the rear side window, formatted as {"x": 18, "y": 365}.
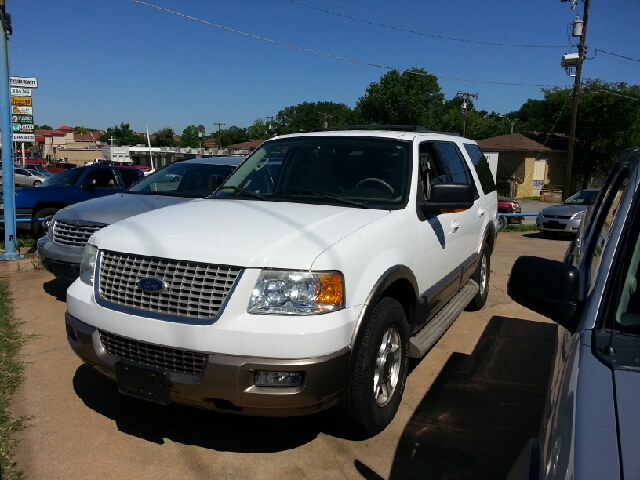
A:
{"x": 129, "y": 176}
{"x": 482, "y": 167}
{"x": 454, "y": 163}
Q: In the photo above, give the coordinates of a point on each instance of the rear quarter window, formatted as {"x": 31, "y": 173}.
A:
{"x": 481, "y": 165}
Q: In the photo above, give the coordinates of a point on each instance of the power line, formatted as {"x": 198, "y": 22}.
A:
{"x": 616, "y": 55}
{"x": 421, "y": 33}
{"x": 328, "y": 55}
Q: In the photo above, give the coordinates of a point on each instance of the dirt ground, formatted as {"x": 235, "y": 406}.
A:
{"x": 468, "y": 409}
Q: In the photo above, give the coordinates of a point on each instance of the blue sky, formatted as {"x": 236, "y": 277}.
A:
{"x": 103, "y": 62}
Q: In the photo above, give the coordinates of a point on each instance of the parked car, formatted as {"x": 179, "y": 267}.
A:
{"x": 145, "y": 168}
{"x": 38, "y": 167}
{"x": 66, "y": 188}
{"x": 590, "y": 428}
{"x": 67, "y": 234}
{"x": 566, "y": 217}
{"x": 24, "y": 177}
{"x": 508, "y": 205}
{"x": 294, "y": 288}
{"x": 61, "y": 167}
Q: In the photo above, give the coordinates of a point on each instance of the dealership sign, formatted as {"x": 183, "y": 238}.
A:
{"x": 22, "y": 119}
{"x": 22, "y": 101}
{"x": 27, "y": 82}
{"x": 16, "y": 110}
{"x": 23, "y": 128}
{"x": 20, "y": 92}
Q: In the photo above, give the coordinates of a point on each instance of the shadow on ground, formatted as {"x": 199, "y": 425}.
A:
{"x": 482, "y": 408}
{"x": 565, "y": 237}
{"x": 57, "y": 288}
{"x": 193, "y": 426}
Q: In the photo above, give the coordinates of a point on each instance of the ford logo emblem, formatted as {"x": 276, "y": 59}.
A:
{"x": 152, "y": 285}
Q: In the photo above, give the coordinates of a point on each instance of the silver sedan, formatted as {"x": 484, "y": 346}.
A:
{"x": 566, "y": 217}
{"x": 26, "y": 178}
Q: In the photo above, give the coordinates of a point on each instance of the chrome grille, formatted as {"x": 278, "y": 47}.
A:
{"x": 193, "y": 290}
{"x": 172, "y": 359}
{"x": 65, "y": 233}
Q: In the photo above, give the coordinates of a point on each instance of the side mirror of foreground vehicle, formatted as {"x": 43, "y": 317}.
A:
{"x": 547, "y": 287}
{"x": 448, "y": 197}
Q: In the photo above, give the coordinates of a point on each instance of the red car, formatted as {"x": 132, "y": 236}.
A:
{"x": 507, "y": 205}
{"x": 143, "y": 168}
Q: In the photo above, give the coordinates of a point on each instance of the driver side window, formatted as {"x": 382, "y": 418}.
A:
{"x": 431, "y": 169}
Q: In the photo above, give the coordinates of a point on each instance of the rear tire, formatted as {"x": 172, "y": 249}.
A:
{"x": 37, "y": 228}
{"x": 481, "y": 277}
{"x": 372, "y": 397}
{"x": 36, "y": 183}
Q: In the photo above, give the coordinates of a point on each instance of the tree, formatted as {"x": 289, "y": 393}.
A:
{"x": 232, "y": 135}
{"x": 308, "y": 116}
{"x": 122, "y": 135}
{"x": 410, "y": 98}
{"x": 608, "y": 122}
{"x": 259, "y": 130}
{"x": 190, "y": 137}
{"x": 42, "y": 127}
{"x": 164, "y": 138}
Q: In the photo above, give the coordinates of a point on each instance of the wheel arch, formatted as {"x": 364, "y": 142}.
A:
{"x": 397, "y": 282}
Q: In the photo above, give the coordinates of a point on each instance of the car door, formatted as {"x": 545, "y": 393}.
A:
{"x": 98, "y": 182}
{"x": 443, "y": 246}
{"x": 22, "y": 177}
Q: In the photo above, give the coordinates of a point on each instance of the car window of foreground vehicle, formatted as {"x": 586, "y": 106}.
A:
{"x": 64, "y": 178}
{"x": 183, "y": 180}
{"x": 350, "y": 171}
{"x": 617, "y": 336}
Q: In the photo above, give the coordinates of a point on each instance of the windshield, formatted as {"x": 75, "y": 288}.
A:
{"x": 65, "y": 178}
{"x": 349, "y": 171}
{"x": 191, "y": 180}
{"x": 585, "y": 197}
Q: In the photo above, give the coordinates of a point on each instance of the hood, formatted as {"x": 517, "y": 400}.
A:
{"x": 113, "y": 208}
{"x": 243, "y": 233}
{"x": 563, "y": 210}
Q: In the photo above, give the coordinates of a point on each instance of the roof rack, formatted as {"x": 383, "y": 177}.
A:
{"x": 400, "y": 128}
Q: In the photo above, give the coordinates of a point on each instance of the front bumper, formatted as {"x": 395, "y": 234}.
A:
{"x": 61, "y": 260}
{"x": 561, "y": 225}
{"x": 226, "y": 383}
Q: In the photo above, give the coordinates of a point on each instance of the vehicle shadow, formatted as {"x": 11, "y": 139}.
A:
{"x": 194, "y": 426}
{"x": 57, "y": 287}
{"x": 482, "y": 408}
{"x": 559, "y": 236}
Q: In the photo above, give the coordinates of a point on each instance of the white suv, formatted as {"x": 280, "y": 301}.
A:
{"x": 307, "y": 280}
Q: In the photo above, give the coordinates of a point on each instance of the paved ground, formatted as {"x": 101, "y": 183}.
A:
{"x": 469, "y": 406}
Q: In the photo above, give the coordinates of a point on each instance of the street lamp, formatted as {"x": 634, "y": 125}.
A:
{"x": 512, "y": 122}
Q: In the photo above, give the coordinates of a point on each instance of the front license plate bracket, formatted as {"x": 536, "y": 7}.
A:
{"x": 143, "y": 381}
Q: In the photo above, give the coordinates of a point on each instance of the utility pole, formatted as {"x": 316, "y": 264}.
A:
{"x": 270, "y": 128}
{"x": 325, "y": 124}
{"x": 576, "y": 99}
{"x": 466, "y": 98}
{"x": 8, "y": 186}
{"x": 219, "y": 125}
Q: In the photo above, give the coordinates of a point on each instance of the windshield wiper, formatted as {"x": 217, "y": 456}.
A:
{"x": 346, "y": 201}
{"x": 244, "y": 192}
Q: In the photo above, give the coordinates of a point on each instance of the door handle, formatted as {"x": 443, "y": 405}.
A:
{"x": 455, "y": 225}
{"x": 481, "y": 212}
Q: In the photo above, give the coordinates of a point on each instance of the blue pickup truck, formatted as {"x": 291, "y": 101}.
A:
{"x": 66, "y": 188}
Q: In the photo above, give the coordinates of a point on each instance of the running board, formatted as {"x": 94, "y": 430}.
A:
{"x": 426, "y": 338}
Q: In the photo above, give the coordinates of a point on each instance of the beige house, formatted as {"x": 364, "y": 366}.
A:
{"x": 528, "y": 162}
{"x": 78, "y": 148}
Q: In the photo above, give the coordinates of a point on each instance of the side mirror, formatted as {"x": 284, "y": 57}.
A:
{"x": 215, "y": 181}
{"x": 448, "y": 197}
{"x": 547, "y": 287}
{"x": 89, "y": 183}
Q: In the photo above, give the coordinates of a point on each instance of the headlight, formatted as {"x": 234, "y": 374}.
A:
{"x": 297, "y": 293}
{"x": 578, "y": 216}
{"x": 88, "y": 264}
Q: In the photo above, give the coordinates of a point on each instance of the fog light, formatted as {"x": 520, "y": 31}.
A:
{"x": 277, "y": 379}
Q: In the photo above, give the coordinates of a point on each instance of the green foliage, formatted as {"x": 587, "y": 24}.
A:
{"x": 190, "y": 137}
{"x": 164, "y": 138}
{"x": 259, "y": 130}
{"x": 309, "y": 116}
{"x": 608, "y": 122}
{"x": 123, "y": 135}
{"x": 232, "y": 135}
{"x": 42, "y": 127}
{"x": 410, "y": 98}
{"x": 11, "y": 371}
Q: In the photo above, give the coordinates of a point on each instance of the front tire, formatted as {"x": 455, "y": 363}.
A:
{"x": 37, "y": 228}
{"x": 373, "y": 395}
{"x": 481, "y": 276}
